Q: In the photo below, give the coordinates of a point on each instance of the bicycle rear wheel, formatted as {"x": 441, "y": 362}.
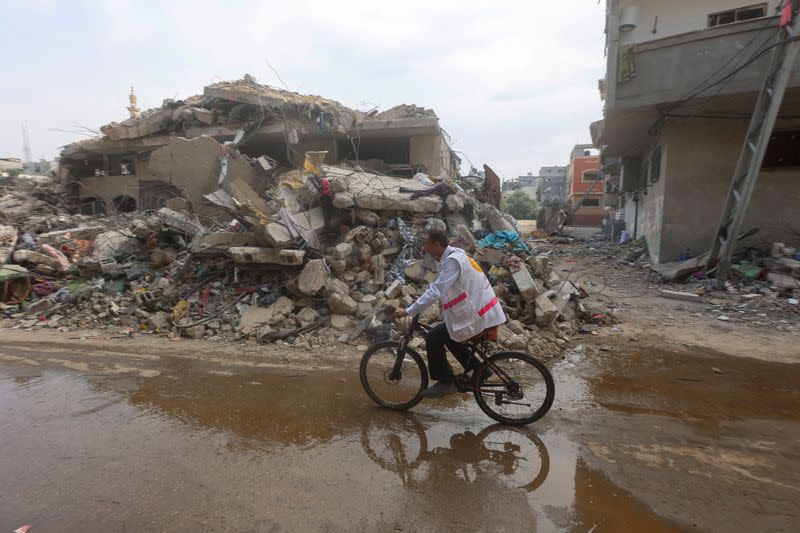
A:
{"x": 514, "y": 388}
{"x": 402, "y": 391}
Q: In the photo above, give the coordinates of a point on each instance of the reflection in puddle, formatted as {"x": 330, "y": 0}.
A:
{"x": 197, "y": 450}
{"x": 515, "y": 456}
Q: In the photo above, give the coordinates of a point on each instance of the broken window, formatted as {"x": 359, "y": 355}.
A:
{"x": 655, "y": 165}
{"x": 92, "y": 206}
{"x": 591, "y": 175}
{"x": 737, "y": 15}
{"x": 590, "y": 202}
{"x": 124, "y": 204}
{"x": 783, "y": 149}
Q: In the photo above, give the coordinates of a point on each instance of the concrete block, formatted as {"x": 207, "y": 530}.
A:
{"x": 250, "y": 317}
{"x": 394, "y": 289}
{"x": 493, "y": 256}
{"x": 554, "y": 281}
{"x": 341, "y": 304}
{"x": 343, "y": 250}
{"x": 343, "y": 200}
{"x": 367, "y": 216}
{"x": 454, "y": 203}
{"x": 256, "y": 255}
{"x": 278, "y": 234}
{"x": 463, "y": 231}
{"x": 782, "y": 281}
{"x": 545, "y": 311}
{"x": 527, "y": 285}
{"x": 313, "y": 277}
{"x": 791, "y": 264}
{"x": 415, "y": 272}
{"x": 307, "y": 315}
{"x": 265, "y": 164}
{"x": 540, "y": 265}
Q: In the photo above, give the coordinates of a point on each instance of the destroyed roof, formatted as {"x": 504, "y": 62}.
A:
{"x": 405, "y": 111}
{"x": 226, "y": 107}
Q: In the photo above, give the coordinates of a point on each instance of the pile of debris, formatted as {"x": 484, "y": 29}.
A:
{"x": 324, "y": 255}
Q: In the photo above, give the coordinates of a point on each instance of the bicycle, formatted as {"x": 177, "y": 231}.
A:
{"x": 394, "y": 375}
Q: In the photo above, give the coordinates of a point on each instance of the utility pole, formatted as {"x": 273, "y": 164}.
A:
{"x": 26, "y": 143}
{"x": 755, "y": 144}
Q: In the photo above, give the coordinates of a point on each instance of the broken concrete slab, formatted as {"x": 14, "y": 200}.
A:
{"x": 113, "y": 244}
{"x": 219, "y": 242}
{"x": 244, "y": 194}
{"x": 250, "y": 317}
{"x": 273, "y": 256}
{"x": 680, "y": 295}
{"x": 88, "y": 233}
{"x": 179, "y": 222}
{"x": 680, "y": 269}
{"x": 528, "y": 287}
{"x": 33, "y": 258}
{"x": 313, "y": 277}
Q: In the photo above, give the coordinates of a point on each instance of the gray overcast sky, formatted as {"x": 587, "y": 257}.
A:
{"x": 514, "y": 83}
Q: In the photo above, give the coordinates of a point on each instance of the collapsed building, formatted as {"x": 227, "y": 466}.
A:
{"x": 185, "y": 147}
{"x": 250, "y": 212}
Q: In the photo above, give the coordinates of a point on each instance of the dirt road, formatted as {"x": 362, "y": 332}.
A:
{"x": 105, "y": 434}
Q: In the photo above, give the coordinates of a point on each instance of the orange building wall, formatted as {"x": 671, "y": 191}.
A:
{"x": 579, "y": 166}
{"x": 578, "y": 189}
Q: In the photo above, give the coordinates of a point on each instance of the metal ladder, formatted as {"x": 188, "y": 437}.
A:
{"x": 751, "y": 156}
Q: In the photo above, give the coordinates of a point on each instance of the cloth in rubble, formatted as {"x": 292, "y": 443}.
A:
{"x": 442, "y": 189}
{"x": 405, "y": 258}
{"x": 499, "y": 240}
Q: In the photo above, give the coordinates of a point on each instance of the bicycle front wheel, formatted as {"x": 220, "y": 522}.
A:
{"x": 514, "y": 388}
{"x": 401, "y": 390}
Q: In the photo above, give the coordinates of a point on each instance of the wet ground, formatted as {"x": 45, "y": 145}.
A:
{"x": 636, "y": 441}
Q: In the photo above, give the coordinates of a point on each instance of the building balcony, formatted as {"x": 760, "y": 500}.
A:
{"x": 665, "y": 70}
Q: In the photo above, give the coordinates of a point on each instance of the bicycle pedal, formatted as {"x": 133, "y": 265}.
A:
{"x": 463, "y": 383}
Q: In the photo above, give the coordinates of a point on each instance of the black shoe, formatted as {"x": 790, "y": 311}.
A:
{"x": 441, "y": 388}
{"x": 486, "y": 374}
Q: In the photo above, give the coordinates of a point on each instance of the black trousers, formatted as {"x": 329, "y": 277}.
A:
{"x": 438, "y": 367}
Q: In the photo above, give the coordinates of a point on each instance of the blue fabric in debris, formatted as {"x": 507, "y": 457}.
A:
{"x": 405, "y": 258}
{"x": 499, "y": 240}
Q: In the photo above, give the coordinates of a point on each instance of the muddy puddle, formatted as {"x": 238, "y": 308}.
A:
{"x": 197, "y": 448}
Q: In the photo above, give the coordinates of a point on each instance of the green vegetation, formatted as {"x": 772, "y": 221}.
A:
{"x": 520, "y": 206}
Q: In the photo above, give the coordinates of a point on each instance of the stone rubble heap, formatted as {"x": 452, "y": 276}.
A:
{"x": 267, "y": 267}
{"x": 764, "y": 290}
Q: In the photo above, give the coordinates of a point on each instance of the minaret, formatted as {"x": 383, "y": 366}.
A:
{"x": 132, "y": 109}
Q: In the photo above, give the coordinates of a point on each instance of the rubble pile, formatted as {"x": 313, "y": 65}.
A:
{"x": 764, "y": 289}
{"x": 323, "y": 255}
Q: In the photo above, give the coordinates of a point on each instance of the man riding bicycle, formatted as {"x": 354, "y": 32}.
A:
{"x": 470, "y": 307}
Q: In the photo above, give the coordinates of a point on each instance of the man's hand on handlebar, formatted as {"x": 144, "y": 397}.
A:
{"x": 399, "y": 312}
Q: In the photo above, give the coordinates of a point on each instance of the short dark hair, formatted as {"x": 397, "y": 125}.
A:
{"x": 438, "y": 236}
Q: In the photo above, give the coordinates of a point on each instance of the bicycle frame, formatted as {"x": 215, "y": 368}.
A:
{"x": 475, "y": 349}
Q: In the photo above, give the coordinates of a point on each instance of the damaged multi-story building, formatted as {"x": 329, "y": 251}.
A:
{"x": 681, "y": 84}
{"x": 240, "y": 130}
